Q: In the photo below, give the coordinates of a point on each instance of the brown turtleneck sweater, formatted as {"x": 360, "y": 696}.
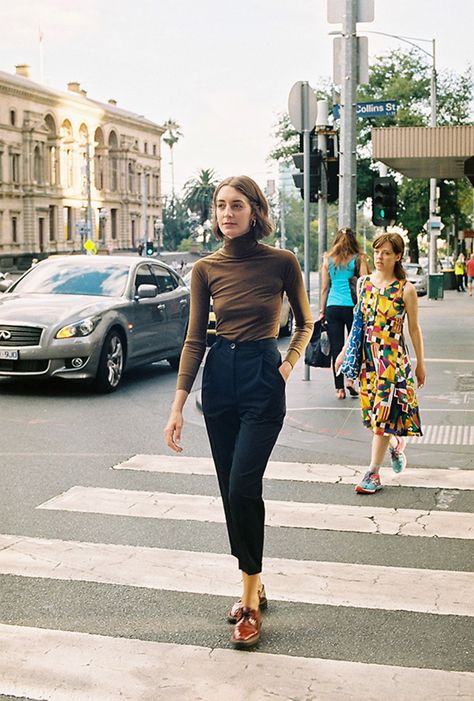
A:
{"x": 246, "y": 280}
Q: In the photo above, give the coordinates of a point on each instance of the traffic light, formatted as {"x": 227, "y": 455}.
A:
{"x": 332, "y": 172}
{"x": 150, "y": 248}
{"x": 384, "y": 201}
{"x": 314, "y": 174}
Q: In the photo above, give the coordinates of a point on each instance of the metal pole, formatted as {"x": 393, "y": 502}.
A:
{"x": 306, "y": 165}
{"x": 281, "y": 194}
{"x": 90, "y": 234}
{"x": 347, "y": 201}
{"x": 433, "y": 253}
{"x": 144, "y": 209}
{"x": 323, "y": 193}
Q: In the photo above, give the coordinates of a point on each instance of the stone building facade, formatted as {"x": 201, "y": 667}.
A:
{"x": 72, "y": 168}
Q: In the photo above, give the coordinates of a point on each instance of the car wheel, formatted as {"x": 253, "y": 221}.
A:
{"x": 287, "y": 329}
{"x": 111, "y": 363}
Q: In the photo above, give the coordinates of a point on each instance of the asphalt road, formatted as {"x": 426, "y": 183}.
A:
{"x": 57, "y": 435}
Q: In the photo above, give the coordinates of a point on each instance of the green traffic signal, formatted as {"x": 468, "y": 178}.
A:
{"x": 384, "y": 201}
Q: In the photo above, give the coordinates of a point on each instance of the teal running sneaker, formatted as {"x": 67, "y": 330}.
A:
{"x": 397, "y": 455}
{"x": 369, "y": 484}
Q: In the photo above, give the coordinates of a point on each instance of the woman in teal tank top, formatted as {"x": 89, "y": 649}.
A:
{"x": 343, "y": 262}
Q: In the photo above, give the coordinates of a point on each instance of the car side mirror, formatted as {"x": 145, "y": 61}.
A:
{"x": 5, "y": 284}
{"x": 146, "y": 291}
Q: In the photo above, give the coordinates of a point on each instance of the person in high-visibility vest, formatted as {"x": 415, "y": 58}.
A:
{"x": 459, "y": 271}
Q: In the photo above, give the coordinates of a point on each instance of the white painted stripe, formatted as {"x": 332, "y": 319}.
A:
{"x": 442, "y": 434}
{"x": 424, "y": 410}
{"x": 334, "y": 517}
{"x": 71, "y": 666}
{"x": 448, "y": 360}
{"x": 327, "y": 583}
{"x": 64, "y": 665}
{"x": 465, "y": 437}
{"x": 453, "y": 478}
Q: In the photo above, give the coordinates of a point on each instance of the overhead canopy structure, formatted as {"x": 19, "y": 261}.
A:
{"x": 426, "y": 152}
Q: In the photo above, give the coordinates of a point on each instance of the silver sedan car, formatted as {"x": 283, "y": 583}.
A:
{"x": 91, "y": 318}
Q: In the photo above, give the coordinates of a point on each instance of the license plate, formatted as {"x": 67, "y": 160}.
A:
{"x": 7, "y": 354}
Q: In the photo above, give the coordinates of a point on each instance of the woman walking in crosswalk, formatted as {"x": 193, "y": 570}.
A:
{"x": 243, "y": 388}
{"x": 387, "y": 389}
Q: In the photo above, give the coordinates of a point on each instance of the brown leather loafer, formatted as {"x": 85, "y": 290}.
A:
{"x": 247, "y": 629}
{"x": 236, "y": 611}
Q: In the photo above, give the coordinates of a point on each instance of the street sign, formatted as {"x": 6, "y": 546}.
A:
{"x": 301, "y": 96}
{"x": 365, "y": 110}
{"x": 434, "y": 223}
{"x": 362, "y": 48}
{"x": 90, "y": 247}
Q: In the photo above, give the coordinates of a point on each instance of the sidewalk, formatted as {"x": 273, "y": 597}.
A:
{"x": 321, "y": 428}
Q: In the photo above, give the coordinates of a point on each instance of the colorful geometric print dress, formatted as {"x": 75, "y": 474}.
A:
{"x": 387, "y": 389}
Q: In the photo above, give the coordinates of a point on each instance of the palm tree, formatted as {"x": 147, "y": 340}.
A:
{"x": 171, "y": 137}
{"x": 198, "y": 192}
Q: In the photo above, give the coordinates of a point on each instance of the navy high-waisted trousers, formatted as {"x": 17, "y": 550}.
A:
{"x": 243, "y": 401}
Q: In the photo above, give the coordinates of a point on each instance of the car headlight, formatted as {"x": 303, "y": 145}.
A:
{"x": 84, "y": 327}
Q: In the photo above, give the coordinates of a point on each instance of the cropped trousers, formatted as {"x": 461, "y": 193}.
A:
{"x": 243, "y": 401}
{"x": 339, "y": 319}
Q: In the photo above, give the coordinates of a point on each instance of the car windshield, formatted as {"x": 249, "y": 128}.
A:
{"x": 413, "y": 269}
{"x": 68, "y": 278}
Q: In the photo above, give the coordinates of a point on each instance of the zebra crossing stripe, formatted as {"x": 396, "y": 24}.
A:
{"x": 313, "y": 582}
{"x": 64, "y": 665}
{"x": 434, "y": 434}
{"x": 453, "y": 478}
{"x": 334, "y": 517}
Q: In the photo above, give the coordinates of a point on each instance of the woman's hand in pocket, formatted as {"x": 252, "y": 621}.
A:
{"x": 285, "y": 370}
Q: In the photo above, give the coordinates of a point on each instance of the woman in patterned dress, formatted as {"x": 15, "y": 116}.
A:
{"x": 387, "y": 389}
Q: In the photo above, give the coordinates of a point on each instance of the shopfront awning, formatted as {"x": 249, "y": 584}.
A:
{"x": 426, "y": 152}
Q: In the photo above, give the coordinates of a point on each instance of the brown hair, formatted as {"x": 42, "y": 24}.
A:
{"x": 344, "y": 246}
{"x": 249, "y": 189}
{"x": 398, "y": 247}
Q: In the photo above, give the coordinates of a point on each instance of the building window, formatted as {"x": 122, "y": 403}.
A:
{"x": 1, "y": 166}
{"x": 98, "y": 173}
{"x": 102, "y": 224}
{"x": 14, "y": 229}
{"x": 52, "y": 222}
{"x": 13, "y": 117}
{"x": 145, "y": 147}
{"x": 113, "y": 223}
{"x": 37, "y": 165}
{"x": 154, "y": 149}
{"x": 131, "y": 176}
{"x": 133, "y": 231}
{"x": 67, "y": 220}
{"x": 15, "y": 167}
{"x": 69, "y": 167}
{"x": 52, "y": 165}
{"x": 113, "y": 174}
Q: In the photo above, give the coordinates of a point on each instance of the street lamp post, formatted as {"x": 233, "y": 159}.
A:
{"x": 433, "y": 205}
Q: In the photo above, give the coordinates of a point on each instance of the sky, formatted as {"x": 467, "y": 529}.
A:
{"x": 223, "y": 70}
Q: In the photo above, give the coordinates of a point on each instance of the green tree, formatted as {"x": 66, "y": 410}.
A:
{"x": 176, "y": 223}
{"x": 405, "y": 76}
{"x": 198, "y": 192}
{"x": 172, "y": 136}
